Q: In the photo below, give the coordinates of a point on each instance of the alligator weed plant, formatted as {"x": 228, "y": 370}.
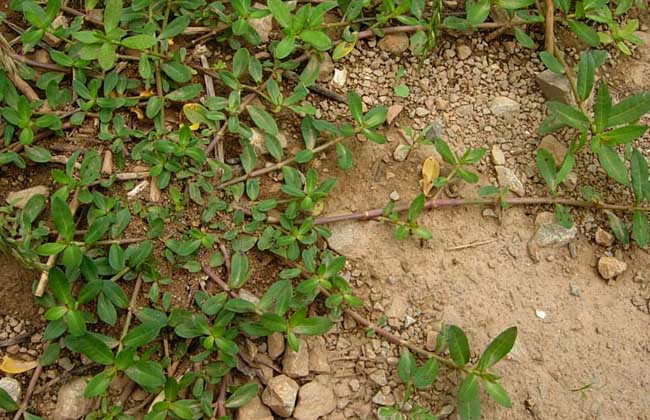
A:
{"x": 207, "y": 134}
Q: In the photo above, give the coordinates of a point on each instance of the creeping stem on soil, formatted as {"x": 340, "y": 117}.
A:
{"x": 453, "y": 202}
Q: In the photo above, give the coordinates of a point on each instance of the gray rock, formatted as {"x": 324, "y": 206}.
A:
{"x": 326, "y": 70}
{"x": 20, "y": 198}
{"x": 262, "y": 26}
{"x": 421, "y": 111}
{"x": 395, "y": 44}
{"x": 11, "y": 387}
{"x": 465, "y": 110}
{"x": 610, "y": 267}
{"x": 548, "y": 235}
{"x": 280, "y": 395}
{"x": 384, "y": 399}
{"x": 315, "y": 400}
{"x": 643, "y": 50}
{"x": 508, "y": 179}
{"x": 401, "y": 152}
{"x": 502, "y": 106}
{"x": 554, "y": 147}
{"x": 574, "y": 290}
{"x": 398, "y": 306}
{"x": 463, "y": 52}
{"x": 604, "y": 238}
{"x": 254, "y": 410}
{"x": 275, "y": 343}
{"x": 498, "y": 158}
{"x": 71, "y": 404}
{"x": 393, "y": 112}
{"x": 555, "y": 87}
{"x": 394, "y": 195}
{"x": 435, "y": 130}
{"x": 378, "y": 377}
{"x": 296, "y": 364}
{"x": 318, "y": 356}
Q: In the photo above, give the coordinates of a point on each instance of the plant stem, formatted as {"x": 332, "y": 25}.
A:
{"x": 129, "y": 314}
{"x": 277, "y": 166}
{"x": 30, "y": 391}
{"x": 454, "y": 202}
{"x": 549, "y": 35}
{"x": 51, "y": 260}
{"x": 119, "y": 275}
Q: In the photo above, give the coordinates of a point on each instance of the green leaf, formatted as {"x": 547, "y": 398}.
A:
{"x": 38, "y": 154}
{"x": 406, "y": 367}
{"x": 98, "y": 384}
{"x": 612, "y": 163}
{"x": 445, "y": 152}
{"x": 97, "y": 230}
{"x": 263, "y": 120}
{"x": 175, "y": 27}
{"x": 402, "y": 91}
{"x": 139, "y": 42}
{"x": 469, "y": 400}
{"x": 569, "y": 115}
{"x": 248, "y": 158}
{"x": 356, "y": 110}
{"x": 149, "y": 375}
{"x": 623, "y": 135}
{"x": 141, "y": 335}
{"x": 60, "y": 286}
{"x": 629, "y": 110}
{"x": 639, "y": 175}
{"x": 375, "y": 117}
{"x": 62, "y": 218}
{"x": 546, "y": 167}
{"x": 586, "y": 75}
{"x": 618, "y": 228}
{"x": 456, "y": 23}
{"x": 458, "y": 345}
{"x": 640, "y": 228}
{"x": 426, "y": 374}
{"x": 185, "y": 93}
{"x": 344, "y": 156}
{"x": 240, "y": 62}
{"x": 416, "y": 207}
{"x": 585, "y": 32}
{"x": 50, "y": 248}
{"x": 33, "y": 208}
{"x": 6, "y": 402}
{"x": 523, "y": 38}
{"x": 244, "y": 393}
{"x": 154, "y": 105}
{"x": 34, "y": 14}
{"x": 238, "y": 270}
{"x": 603, "y": 107}
{"x": 112, "y": 14}
{"x": 106, "y": 56}
{"x": 312, "y": 326}
{"x": 514, "y": 4}
{"x": 477, "y": 11}
{"x": 498, "y": 394}
{"x": 106, "y": 310}
{"x": 76, "y": 322}
{"x": 498, "y": 348}
{"x": 317, "y": 39}
{"x": 280, "y": 12}
{"x": 95, "y": 349}
{"x": 284, "y": 47}
{"x": 177, "y": 72}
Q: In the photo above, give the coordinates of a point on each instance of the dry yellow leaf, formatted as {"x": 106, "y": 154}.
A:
{"x": 137, "y": 111}
{"x": 14, "y": 366}
{"x": 146, "y": 93}
{"x": 430, "y": 171}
